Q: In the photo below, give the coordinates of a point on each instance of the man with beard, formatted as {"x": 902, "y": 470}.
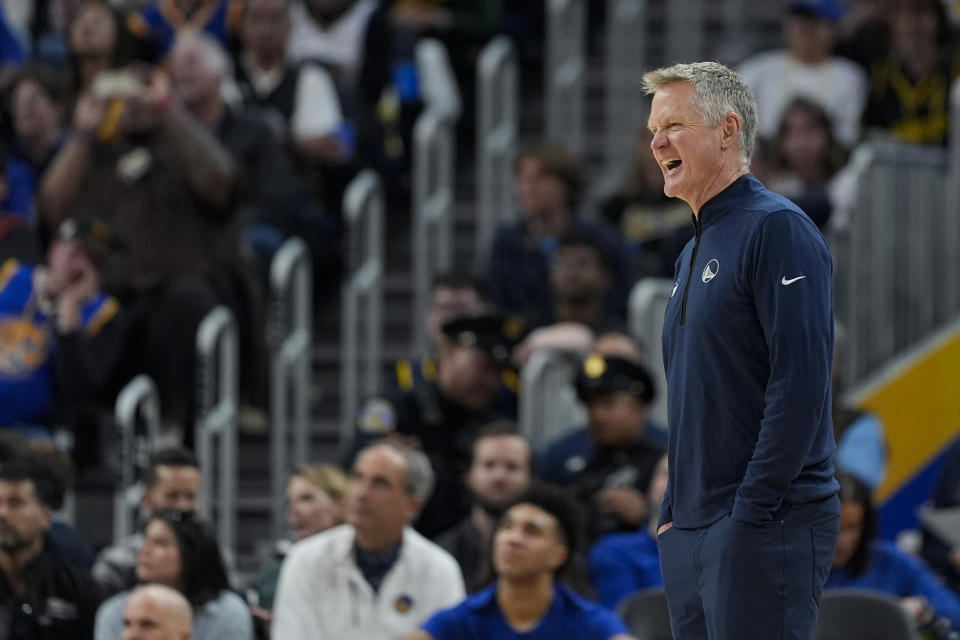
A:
{"x": 499, "y": 472}
{"x": 42, "y": 597}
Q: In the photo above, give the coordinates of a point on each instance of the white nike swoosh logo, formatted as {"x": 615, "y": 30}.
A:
{"x": 784, "y": 281}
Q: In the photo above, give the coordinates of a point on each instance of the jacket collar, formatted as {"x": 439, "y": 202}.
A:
{"x": 725, "y": 201}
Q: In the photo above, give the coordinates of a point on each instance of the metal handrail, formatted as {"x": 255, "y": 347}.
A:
{"x": 438, "y": 84}
{"x": 291, "y": 333}
{"x": 565, "y": 72}
{"x": 686, "y": 17}
{"x": 497, "y": 123}
{"x": 896, "y": 244}
{"x": 433, "y": 197}
{"x": 217, "y": 358}
{"x": 138, "y": 399}
{"x": 951, "y": 230}
{"x": 647, "y": 304}
{"x": 364, "y": 210}
{"x": 624, "y": 101}
{"x": 549, "y": 407}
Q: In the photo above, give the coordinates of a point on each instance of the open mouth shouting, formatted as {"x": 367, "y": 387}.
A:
{"x": 670, "y": 165}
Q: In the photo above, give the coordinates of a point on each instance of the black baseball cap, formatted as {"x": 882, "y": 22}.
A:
{"x": 493, "y": 334}
{"x": 599, "y": 375}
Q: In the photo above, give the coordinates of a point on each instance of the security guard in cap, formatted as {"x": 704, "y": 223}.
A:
{"x": 442, "y": 415}
{"x": 454, "y": 295}
{"x": 609, "y": 463}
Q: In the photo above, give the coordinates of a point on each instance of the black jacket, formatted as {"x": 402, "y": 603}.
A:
{"x": 60, "y": 603}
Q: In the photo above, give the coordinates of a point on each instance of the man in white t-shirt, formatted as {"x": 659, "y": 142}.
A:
{"x": 809, "y": 69}
{"x": 375, "y": 577}
{"x": 302, "y": 95}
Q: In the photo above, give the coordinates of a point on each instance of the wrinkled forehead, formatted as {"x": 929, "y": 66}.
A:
{"x": 381, "y": 461}
{"x": 674, "y": 101}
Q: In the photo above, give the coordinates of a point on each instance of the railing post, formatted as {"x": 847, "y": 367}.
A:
{"x": 859, "y": 283}
{"x": 364, "y": 213}
{"x": 433, "y": 194}
{"x": 549, "y": 407}
{"x": 441, "y": 94}
{"x": 894, "y": 252}
{"x": 624, "y": 100}
{"x": 498, "y": 117}
{"x": 291, "y": 339}
{"x": 217, "y": 357}
{"x": 565, "y": 72}
{"x": 138, "y": 400}
{"x": 951, "y": 231}
{"x": 647, "y": 305}
{"x": 686, "y": 21}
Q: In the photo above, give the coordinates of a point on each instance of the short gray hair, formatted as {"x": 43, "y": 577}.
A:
{"x": 718, "y": 90}
{"x": 215, "y": 57}
{"x": 420, "y": 479}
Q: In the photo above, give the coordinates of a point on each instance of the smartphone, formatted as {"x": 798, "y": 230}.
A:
{"x": 116, "y": 83}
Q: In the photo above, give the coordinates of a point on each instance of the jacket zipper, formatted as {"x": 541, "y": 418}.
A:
{"x": 693, "y": 259}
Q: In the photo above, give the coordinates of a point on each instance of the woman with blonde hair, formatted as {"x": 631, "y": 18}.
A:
{"x": 315, "y": 504}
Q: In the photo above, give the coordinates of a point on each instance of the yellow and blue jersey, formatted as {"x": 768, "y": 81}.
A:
{"x": 157, "y": 24}
{"x": 28, "y": 343}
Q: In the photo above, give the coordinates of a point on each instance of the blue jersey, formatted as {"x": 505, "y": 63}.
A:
{"x": 157, "y": 24}
{"x": 11, "y": 49}
{"x": 897, "y": 574}
{"x": 570, "y": 617}
{"x": 27, "y": 346}
{"x": 747, "y": 347}
{"x": 623, "y": 563}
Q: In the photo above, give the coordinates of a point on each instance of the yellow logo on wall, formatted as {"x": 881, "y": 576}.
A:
{"x": 23, "y": 348}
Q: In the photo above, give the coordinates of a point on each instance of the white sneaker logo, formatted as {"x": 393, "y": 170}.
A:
{"x": 786, "y": 282}
{"x": 710, "y": 271}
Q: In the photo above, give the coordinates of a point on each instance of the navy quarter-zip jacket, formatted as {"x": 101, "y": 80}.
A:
{"x": 747, "y": 346}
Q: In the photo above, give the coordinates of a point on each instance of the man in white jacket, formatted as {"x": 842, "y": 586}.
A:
{"x": 374, "y": 577}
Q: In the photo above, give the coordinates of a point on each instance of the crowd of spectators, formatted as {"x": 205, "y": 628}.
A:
{"x": 155, "y": 156}
{"x": 177, "y": 144}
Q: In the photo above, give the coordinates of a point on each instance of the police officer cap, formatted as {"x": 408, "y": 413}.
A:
{"x": 608, "y": 374}
{"x": 495, "y": 335}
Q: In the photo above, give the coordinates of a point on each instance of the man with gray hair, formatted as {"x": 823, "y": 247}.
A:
{"x": 750, "y": 519}
{"x": 270, "y": 190}
{"x": 373, "y": 578}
